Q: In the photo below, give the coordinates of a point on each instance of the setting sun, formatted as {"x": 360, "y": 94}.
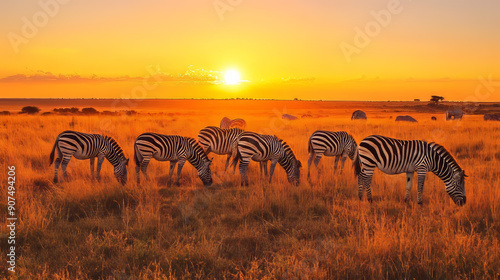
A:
{"x": 232, "y": 77}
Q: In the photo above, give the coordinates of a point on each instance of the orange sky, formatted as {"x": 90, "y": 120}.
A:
{"x": 282, "y": 49}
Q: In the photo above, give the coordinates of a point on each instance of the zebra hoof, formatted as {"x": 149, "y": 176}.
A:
{"x": 56, "y": 180}
{"x": 370, "y": 200}
{"x": 406, "y": 200}
{"x": 420, "y": 203}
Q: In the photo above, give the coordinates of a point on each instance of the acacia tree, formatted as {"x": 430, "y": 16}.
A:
{"x": 436, "y": 98}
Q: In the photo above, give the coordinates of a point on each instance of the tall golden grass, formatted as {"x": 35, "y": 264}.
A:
{"x": 81, "y": 228}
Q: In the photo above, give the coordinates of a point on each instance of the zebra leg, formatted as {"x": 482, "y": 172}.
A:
{"x": 271, "y": 170}
{"x": 172, "y": 167}
{"x": 143, "y": 167}
{"x": 336, "y": 163}
{"x": 138, "y": 174}
{"x": 364, "y": 181}
{"x": 64, "y": 164}
{"x": 342, "y": 162}
{"x": 171, "y": 171}
{"x": 92, "y": 163}
{"x": 227, "y": 162}
{"x": 421, "y": 179}
{"x": 263, "y": 168}
{"x": 179, "y": 169}
{"x": 309, "y": 161}
{"x": 100, "y": 160}
{"x": 368, "y": 181}
{"x": 56, "y": 167}
{"x": 316, "y": 163}
{"x": 243, "y": 172}
{"x": 409, "y": 183}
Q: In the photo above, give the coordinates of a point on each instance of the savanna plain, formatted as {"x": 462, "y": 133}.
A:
{"x": 82, "y": 228}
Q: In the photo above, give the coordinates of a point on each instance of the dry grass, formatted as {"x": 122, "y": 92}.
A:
{"x": 87, "y": 229}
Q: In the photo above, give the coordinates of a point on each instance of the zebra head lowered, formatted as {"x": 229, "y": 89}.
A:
{"x": 200, "y": 161}
{"x": 205, "y": 173}
{"x": 121, "y": 171}
{"x": 117, "y": 158}
{"x": 448, "y": 170}
{"x": 290, "y": 163}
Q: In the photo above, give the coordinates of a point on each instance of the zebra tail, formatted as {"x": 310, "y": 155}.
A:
{"x": 309, "y": 147}
{"x": 53, "y": 152}
{"x": 357, "y": 164}
{"x": 136, "y": 157}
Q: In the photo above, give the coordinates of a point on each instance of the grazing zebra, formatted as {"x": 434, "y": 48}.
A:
{"x": 220, "y": 141}
{"x": 173, "y": 148}
{"x": 393, "y": 156}
{"x": 89, "y": 146}
{"x": 228, "y": 123}
{"x": 261, "y": 148}
{"x": 329, "y": 143}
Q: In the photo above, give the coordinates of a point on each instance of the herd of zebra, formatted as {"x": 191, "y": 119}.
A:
{"x": 391, "y": 156}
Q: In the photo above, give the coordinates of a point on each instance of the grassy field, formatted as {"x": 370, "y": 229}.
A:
{"x": 81, "y": 228}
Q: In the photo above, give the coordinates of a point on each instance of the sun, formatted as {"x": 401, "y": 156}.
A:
{"x": 231, "y": 77}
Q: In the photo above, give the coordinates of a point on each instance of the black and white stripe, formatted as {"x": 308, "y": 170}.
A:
{"x": 89, "y": 146}
{"x": 329, "y": 143}
{"x": 393, "y": 156}
{"x": 173, "y": 148}
{"x": 261, "y": 148}
{"x": 220, "y": 141}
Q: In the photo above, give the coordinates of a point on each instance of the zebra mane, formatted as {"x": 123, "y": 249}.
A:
{"x": 442, "y": 152}
{"x": 115, "y": 145}
{"x": 197, "y": 148}
{"x": 286, "y": 147}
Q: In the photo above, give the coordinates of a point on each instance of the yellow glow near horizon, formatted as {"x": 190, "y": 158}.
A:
{"x": 232, "y": 77}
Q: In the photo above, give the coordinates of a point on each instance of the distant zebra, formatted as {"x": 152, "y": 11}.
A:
{"x": 329, "y": 143}
{"x": 171, "y": 148}
{"x": 220, "y": 141}
{"x": 89, "y": 146}
{"x": 261, "y": 148}
{"x": 393, "y": 156}
{"x": 228, "y": 123}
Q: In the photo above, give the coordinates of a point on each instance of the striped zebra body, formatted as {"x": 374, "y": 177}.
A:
{"x": 173, "y": 148}
{"x": 236, "y": 123}
{"x": 220, "y": 141}
{"x": 393, "y": 156}
{"x": 261, "y": 148}
{"x": 89, "y": 146}
{"x": 339, "y": 144}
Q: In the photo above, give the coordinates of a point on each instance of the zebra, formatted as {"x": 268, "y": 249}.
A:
{"x": 261, "y": 148}
{"x": 89, "y": 146}
{"x": 228, "y": 123}
{"x": 173, "y": 148}
{"x": 224, "y": 142}
{"x": 393, "y": 156}
{"x": 339, "y": 144}
{"x": 220, "y": 141}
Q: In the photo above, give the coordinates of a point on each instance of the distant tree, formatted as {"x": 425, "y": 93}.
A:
{"x": 89, "y": 111}
{"x": 74, "y": 110}
{"x": 436, "y": 99}
{"x": 30, "y": 110}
